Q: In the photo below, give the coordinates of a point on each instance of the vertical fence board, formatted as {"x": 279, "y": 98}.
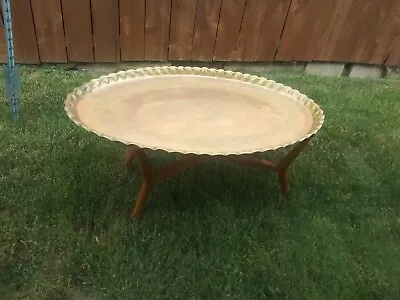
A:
{"x": 312, "y": 31}
{"x": 387, "y": 36}
{"x": 371, "y": 29}
{"x": 78, "y": 30}
{"x": 25, "y": 45}
{"x": 250, "y": 26}
{"x": 3, "y": 49}
{"x": 205, "y": 29}
{"x": 132, "y": 22}
{"x": 158, "y": 17}
{"x": 326, "y": 47}
{"x": 105, "y": 18}
{"x": 49, "y": 30}
{"x": 3, "y": 46}
{"x": 394, "y": 56}
{"x": 272, "y": 28}
{"x": 350, "y": 34}
{"x": 254, "y": 15}
{"x": 228, "y": 29}
{"x": 293, "y": 32}
{"x": 183, "y": 14}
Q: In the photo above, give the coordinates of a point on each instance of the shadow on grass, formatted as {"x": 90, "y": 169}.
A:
{"x": 103, "y": 188}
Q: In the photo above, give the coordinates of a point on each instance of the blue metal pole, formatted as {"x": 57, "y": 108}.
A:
{"x": 11, "y": 71}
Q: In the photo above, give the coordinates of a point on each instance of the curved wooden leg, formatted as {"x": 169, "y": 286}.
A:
{"x": 148, "y": 180}
{"x": 129, "y": 158}
{"x": 143, "y": 194}
{"x": 284, "y": 164}
{"x": 283, "y": 181}
{"x": 149, "y": 176}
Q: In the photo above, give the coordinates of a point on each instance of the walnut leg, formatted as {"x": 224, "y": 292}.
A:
{"x": 143, "y": 194}
{"x": 129, "y": 157}
{"x": 283, "y": 181}
{"x": 148, "y": 180}
{"x": 284, "y": 164}
{"x": 150, "y": 176}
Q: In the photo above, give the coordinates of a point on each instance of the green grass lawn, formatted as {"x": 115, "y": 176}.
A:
{"x": 217, "y": 231}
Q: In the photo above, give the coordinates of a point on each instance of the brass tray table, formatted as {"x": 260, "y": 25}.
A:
{"x": 199, "y": 112}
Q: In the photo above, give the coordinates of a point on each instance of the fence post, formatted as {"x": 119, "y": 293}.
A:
{"x": 11, "y": 71}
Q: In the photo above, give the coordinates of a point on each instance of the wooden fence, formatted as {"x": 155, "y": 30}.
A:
{"x": 60, "y": 31}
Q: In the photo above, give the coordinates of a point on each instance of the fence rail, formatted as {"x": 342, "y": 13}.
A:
{"x": 61, "y": 31}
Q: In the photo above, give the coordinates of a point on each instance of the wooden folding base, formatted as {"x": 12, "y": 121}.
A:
{"x": 150, "y": 176}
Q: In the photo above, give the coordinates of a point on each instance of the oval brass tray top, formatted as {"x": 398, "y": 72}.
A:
{"x": 196, "y": 111}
